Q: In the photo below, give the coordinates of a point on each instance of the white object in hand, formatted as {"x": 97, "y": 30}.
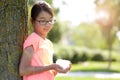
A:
{"x": 63, "y": 63}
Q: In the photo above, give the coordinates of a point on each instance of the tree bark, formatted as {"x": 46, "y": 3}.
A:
{"x": 13, "y": 29}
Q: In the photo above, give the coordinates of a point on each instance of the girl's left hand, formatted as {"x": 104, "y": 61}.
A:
{"x": 54, "y": 72}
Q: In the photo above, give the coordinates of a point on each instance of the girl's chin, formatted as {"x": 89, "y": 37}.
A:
{"x": 45, "y": 33}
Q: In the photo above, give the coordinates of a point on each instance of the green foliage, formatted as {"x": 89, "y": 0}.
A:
{"x": 84, "y": 56}
{"x": 77, "y": 54}
{"x": 69, "y": 53}
{"x": 79, "y": 57}
{"x": 88, "y": 35}
{"x": 30, "y": 2}
{"x": 49, "y": 1}
{"x": 76, "y": 57}
{"x": 97, "y": 57}
{"x": 55, "y": 34}
{"x": 64, "y": 53}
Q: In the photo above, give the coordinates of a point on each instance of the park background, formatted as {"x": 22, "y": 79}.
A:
{"x": 86, "y": 32}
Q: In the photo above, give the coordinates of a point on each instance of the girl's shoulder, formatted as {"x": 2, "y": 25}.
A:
{"x": 32, "y": 36}
{"x": 32, "y": 39}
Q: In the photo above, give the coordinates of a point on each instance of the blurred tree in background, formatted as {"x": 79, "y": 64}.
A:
{"x": 109, "y": 20}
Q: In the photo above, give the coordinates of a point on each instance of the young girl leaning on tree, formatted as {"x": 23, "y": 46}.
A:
{"x": 37, "y": 58}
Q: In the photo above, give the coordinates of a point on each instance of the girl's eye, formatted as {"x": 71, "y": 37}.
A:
{"x": 42, "y": 21}
{"x": 50, "y": 20}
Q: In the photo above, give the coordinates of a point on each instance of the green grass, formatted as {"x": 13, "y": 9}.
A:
{"x": 96, "y": 67}
{"x": 67, "y": 78}
{"x": 91, "y": 66}
{"x": 82, "y": 78}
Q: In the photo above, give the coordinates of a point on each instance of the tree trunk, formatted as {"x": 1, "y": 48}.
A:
{"x": 110, "y": 43}
{"x": 13, "y": 29}
{"x": 110, "y": 58}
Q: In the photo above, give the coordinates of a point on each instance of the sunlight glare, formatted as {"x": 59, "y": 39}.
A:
{"x": 76, "y": 11}
{"x": 102, "y": 15}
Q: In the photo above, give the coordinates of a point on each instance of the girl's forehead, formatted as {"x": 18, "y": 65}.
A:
{"x": 44, "y": 15}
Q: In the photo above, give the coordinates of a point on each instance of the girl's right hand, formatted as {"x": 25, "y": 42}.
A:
{"x": 59, "y": 69}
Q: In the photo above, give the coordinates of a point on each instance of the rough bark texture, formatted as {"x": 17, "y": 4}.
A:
{"x": 13, "y": 29}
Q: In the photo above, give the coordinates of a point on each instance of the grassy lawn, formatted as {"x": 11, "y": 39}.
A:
{"x": 82, "y": 78}
{"x": 90, "y": 67}
{"x": 96, "y": 66}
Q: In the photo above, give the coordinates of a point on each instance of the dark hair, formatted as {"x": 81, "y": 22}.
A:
{"x": 39, "y": 7}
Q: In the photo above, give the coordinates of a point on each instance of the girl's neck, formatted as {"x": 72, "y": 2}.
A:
{"x": 42, "y": 36}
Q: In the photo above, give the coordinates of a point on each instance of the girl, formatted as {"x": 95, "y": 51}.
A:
{"x": 36, "y": 62}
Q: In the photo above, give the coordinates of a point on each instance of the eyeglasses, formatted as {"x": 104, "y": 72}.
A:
{"x": 44, "y": 22}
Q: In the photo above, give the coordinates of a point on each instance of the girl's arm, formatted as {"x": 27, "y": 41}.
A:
{"x": 26, "y": 69}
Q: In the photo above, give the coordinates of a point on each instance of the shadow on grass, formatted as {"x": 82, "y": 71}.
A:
{"x": 96, "y": 70}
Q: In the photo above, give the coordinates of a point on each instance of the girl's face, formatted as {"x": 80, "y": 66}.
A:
{"x": 43, "y": 23}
